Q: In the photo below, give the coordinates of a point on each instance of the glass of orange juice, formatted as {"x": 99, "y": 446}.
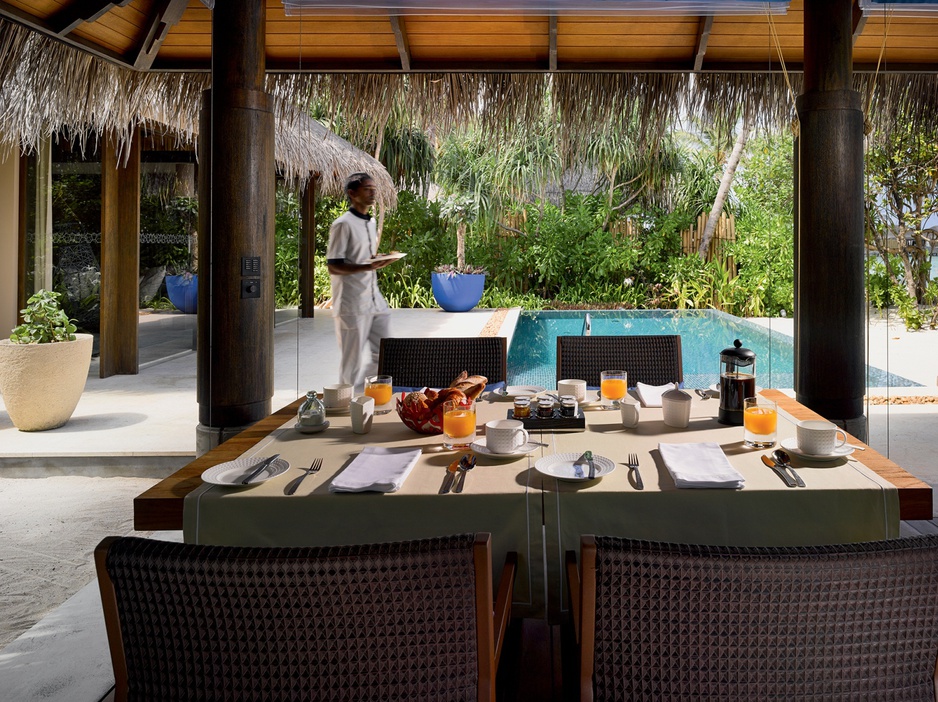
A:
{"x": 612, "y": 387}
{"x": 379, "y": 387}
{"x": 760, "y": 422}
{"x": 459, "y": 424}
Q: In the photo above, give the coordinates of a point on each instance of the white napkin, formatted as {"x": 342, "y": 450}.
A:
{"x": 699, "y": 465}
{"x": 376, "y": 469}
{"x": 650, "y": 395}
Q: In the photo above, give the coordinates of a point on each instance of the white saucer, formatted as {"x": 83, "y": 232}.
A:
{"x": 560, "y": 466}
{"x": 233, "y": 472}
{"x": 791, "y": 445}
{"x": 480, "y": 448}
{"x": 339, "y": 409}
{"x": 311, "y": 428}
{"x": 510, "y": 392}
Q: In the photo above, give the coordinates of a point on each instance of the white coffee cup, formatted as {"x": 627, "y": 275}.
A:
{"x": 675, "y": 407}
{"x": 577, "y": 388}
{"x": 505, "y": 435}
{"x": 819, "y": 437}
{"x": 630, "y": 409}
{"x": 362, "y": 411}
{"x": 337, "y": 396}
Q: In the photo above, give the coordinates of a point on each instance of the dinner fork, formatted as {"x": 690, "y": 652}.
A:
{"x": 632, "y": 463}
{"x": 313, "y": 468}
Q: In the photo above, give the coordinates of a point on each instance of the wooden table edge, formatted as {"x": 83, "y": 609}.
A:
{"x": 915, "y": 496}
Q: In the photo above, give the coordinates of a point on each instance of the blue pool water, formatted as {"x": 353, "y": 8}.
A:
{"x": 532, "y": 357}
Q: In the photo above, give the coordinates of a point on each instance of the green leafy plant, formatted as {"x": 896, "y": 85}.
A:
{"x": 44, "y": 321}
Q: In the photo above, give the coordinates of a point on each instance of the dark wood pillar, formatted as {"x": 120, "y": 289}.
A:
{"x": 120, "y": 257}
{"x": 236, "y": 228}
{"x": 308, "y": 246}
{"x": 829, "y": 289}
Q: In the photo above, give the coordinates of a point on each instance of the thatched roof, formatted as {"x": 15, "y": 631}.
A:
{"x": 47, "y": 87}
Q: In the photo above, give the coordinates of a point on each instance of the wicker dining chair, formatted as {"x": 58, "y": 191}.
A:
{"x": 409, "y": 620}
{"x": 436, "y": 361}
{"x": 649, "y": 359}
{"x": 658, "y": 621}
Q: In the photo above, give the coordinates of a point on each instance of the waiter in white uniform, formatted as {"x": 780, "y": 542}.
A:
{"x": 361, "y": 312}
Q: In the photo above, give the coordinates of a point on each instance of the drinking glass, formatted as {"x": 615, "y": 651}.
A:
{"x": 379, "y": 387}
{"x": 459, "y": 424}
{"x": 760, "y": 422}
{"x": 612, "y": 387}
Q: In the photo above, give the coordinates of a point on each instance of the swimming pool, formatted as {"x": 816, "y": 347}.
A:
{"x": 532, "y": 356}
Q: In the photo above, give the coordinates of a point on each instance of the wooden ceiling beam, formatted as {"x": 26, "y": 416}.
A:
{"x": 859, "y": 21}
{"x": 72, "y": 15}
{"x": 400, "y": 38}
{"x": 167, "y": 15}
{"x": 553, "y": 43}
{"x": 703, "y": 38}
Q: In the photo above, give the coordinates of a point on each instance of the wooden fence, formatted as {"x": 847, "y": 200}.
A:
{"x": 725, "y": 232}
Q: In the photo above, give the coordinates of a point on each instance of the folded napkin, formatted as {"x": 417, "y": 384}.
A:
{"x": 699, "y": 465}
{"x": 650, "y": 395}
{"x": 376, "y": 469}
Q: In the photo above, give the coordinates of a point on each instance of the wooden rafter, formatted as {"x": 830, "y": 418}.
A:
{"x": 74, "y": 14}
{"x": 703, "y": 38}
{"x": 168, "y": 13}
{"x": 553, "y": 43}
{"x": 859, "y": 21}
{"x": 403, "y": 46}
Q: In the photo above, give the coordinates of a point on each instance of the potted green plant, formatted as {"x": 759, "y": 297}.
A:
{"x": 43, "y": 365}
{"x": 458, "y": 288}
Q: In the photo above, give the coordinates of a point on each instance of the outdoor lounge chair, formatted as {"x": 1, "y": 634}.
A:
{"x": 436, "y": 361}
{"x": 649, "y": 359}
{"x": 409, "y": 620}
{"x": 658, "y": 621}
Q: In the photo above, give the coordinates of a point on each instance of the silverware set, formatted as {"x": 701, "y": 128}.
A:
{"x": 456, "y": 474}
{"x": 313, "y": 468}
{"x": 632, "y": 463}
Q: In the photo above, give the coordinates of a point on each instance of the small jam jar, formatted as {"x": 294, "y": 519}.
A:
{"x": 545, "y": 408}
{"x": 522, "y": 407}
{"x": 568, "y": 406}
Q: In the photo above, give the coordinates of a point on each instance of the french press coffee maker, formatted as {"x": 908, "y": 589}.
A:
{"x": 737, "y": 382}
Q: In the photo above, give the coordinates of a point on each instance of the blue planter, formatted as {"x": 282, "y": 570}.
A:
{"x": 458, "y": 293}
{"x": 183, "y": 292}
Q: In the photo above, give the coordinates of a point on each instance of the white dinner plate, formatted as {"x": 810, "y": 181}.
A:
{"x": 791, "y": 445}
{"x": 311, "y": 428}
{"x": 510, "y": 392}
{"x": 233, "y": 472}
{"x": 560, "y": 466}
{"x": 480, "y": 448}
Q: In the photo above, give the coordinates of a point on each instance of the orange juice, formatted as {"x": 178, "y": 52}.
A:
{"x": 760, "y": 420}
{"x": 459, "y": 423}
{"x": 613, "y": 388}
{"x": 381, "y": 393}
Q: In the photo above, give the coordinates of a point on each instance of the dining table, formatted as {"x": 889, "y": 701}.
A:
{"x": 859, "y": 497}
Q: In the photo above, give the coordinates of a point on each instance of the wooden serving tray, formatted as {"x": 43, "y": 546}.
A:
{"x": 533, "y": 423}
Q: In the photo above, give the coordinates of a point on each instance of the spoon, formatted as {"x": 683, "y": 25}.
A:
{"x": 705, "y": 394}
{"x": 783, "y": 458}
{"x": 466, "y": 463}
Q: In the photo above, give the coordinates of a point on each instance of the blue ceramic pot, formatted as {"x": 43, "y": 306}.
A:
{"x": 458, "y": 293}
{"x": 183, "y": 292}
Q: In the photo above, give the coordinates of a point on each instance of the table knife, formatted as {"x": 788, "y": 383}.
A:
{"x": 260, "y": 466}
{"x": 781, "y": 472}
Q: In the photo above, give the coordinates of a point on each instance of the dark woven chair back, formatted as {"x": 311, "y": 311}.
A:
{"x": 677, "y": 622}
{"x": 653, "y": 360}
{"x": 400, "y": 621}
{"x": 435, "y": 362}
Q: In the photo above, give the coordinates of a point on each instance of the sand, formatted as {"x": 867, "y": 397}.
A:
{"x": 46, "y": 554}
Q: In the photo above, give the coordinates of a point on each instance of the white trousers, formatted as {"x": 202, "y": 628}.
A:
{"x": 356, "y": 333}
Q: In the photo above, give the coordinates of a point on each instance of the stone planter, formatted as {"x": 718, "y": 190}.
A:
{"x": 42, "y": 383}
{"x": 458, "y": 293}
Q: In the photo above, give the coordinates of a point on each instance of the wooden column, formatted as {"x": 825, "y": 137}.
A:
{"x": 829, "y": 289}
{"x": 308, "y": 247}
{"x": 120, "y": 257}
{"x": 236, "y": 228}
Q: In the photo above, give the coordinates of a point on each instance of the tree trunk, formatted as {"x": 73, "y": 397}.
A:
{"x": 731, "y": 163}
{"x": 461, "y": 246}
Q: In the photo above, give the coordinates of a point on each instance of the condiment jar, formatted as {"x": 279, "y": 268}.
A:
{"x": 522, "y": 407}
{"x": 312, "y": 412}
{"x": 568, "y": 406}
{"x": 545, "y": 408}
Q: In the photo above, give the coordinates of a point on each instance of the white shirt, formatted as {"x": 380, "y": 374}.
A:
{"x": 354, "y": 239}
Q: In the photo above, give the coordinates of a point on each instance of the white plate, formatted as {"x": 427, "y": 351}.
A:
{"x": 560, "y": 466}
{"x": 233, "y": 472}
{"x": 311, "y": 428}
{"x": 341, "y": 409}
{"x": 393, "y": 256}
{"x": 791, "y": 445}
{"x": 480, "y": 448}
{"x": 512, "y": 391}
